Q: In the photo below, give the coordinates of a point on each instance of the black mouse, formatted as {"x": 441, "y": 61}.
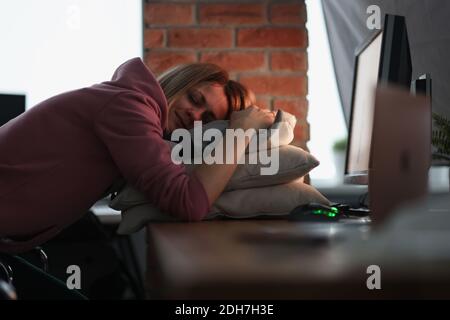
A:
{"x": 314, "y": 212}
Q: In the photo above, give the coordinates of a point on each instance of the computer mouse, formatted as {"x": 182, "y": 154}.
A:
{"x": 314, "y": 212}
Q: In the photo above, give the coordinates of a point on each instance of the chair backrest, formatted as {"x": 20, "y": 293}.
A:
{"x": 6, "y": 273}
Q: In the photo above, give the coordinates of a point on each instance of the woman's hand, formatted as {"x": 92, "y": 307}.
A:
{"x": 252, "y": 118}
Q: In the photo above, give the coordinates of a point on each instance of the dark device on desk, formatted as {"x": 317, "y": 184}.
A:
{"x": 11, "y": 105}
{"x": 422, "y": 85}
{"x": 383, "y": 59}
{"x": 314, "y": 212}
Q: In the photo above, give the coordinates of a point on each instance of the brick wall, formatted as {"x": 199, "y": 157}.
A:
{"x": 261, "y": 43}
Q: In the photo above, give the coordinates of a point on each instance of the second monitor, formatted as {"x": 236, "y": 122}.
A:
{"x": 384, "y": 59}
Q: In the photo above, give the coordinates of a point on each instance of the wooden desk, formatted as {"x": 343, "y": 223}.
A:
{"x": 269, "y": 259}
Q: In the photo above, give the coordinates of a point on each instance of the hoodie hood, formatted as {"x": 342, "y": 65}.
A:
{"x": 134, "y": 75}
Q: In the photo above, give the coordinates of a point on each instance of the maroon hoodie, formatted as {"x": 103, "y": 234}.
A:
{"x": 58, "y": 158}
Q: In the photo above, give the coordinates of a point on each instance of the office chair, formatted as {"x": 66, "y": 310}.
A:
{"x": 8, "y": 276}
{"x": 38, "y": 254}
{"x": 7, "y": 291}
{"x": 6, "y": 273}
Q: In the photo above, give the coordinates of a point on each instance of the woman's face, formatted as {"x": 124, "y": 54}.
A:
{"x": 205, "y": 103}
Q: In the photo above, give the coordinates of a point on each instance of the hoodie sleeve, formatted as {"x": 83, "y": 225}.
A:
{"x": 132, "y": 131}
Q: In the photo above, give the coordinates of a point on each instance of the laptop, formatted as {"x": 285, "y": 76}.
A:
{"x": 400, "y": 154}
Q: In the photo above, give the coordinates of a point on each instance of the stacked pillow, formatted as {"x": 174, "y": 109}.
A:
{"x": 247, "y": 194}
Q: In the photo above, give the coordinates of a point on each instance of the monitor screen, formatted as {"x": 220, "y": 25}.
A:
{"x": 395, "y": 63}
{"x": 11, "y": 105}
{"x": 384, "y": 59}
{"x": 361, "y": 118}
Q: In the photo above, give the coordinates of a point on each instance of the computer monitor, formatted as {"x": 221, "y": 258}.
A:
{"x": 365, "y": 80}
{"x": 395, "y": 62}
{"x": 422, "y": 86}
{"x": 11, "y": 105}
{"x": 383, "y": 59}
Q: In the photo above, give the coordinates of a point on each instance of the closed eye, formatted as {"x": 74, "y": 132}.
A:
{"x": 196, "y": 99}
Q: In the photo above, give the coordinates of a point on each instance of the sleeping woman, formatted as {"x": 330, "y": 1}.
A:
{"x": 61, "y": 156}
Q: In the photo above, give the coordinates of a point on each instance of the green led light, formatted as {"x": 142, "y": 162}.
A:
{"x": 325, "y": 212}
{"x": 335, "y": 210}
{"x": 328, "y": 213}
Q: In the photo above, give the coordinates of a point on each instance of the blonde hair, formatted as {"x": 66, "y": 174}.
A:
{"x": 180, "y": 79}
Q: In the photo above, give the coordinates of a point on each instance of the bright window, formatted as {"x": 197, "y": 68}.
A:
{"x": 325, "y": 114}
{"x": 52, "y": 46}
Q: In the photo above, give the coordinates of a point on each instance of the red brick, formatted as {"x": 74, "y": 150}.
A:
{"x": 301, "y": 132}
{"x": 235, "y": 61}
{"x": 231, "y": 13}
{"x": 288, "y": 13}
{"x": 200, "y": 38}
{"x": 297, "y": 107}
{"x": 272, "y": 37}
{"x": 159, "y": 61}
{"x": 154, "y": 38}
{"x": 168, "y": 13}
{"x": 292, "y": 61}
{"x": 301, "y": 144}
{"x": 276, "y": 85}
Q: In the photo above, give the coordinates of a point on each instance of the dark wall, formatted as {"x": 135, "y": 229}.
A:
{"x": 428, "y": 23}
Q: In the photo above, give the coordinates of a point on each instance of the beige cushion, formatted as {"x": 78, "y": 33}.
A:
{"x": 294, "y": 162}
{"x": 247, "y": 203}
{"x": 271, "y": 200}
